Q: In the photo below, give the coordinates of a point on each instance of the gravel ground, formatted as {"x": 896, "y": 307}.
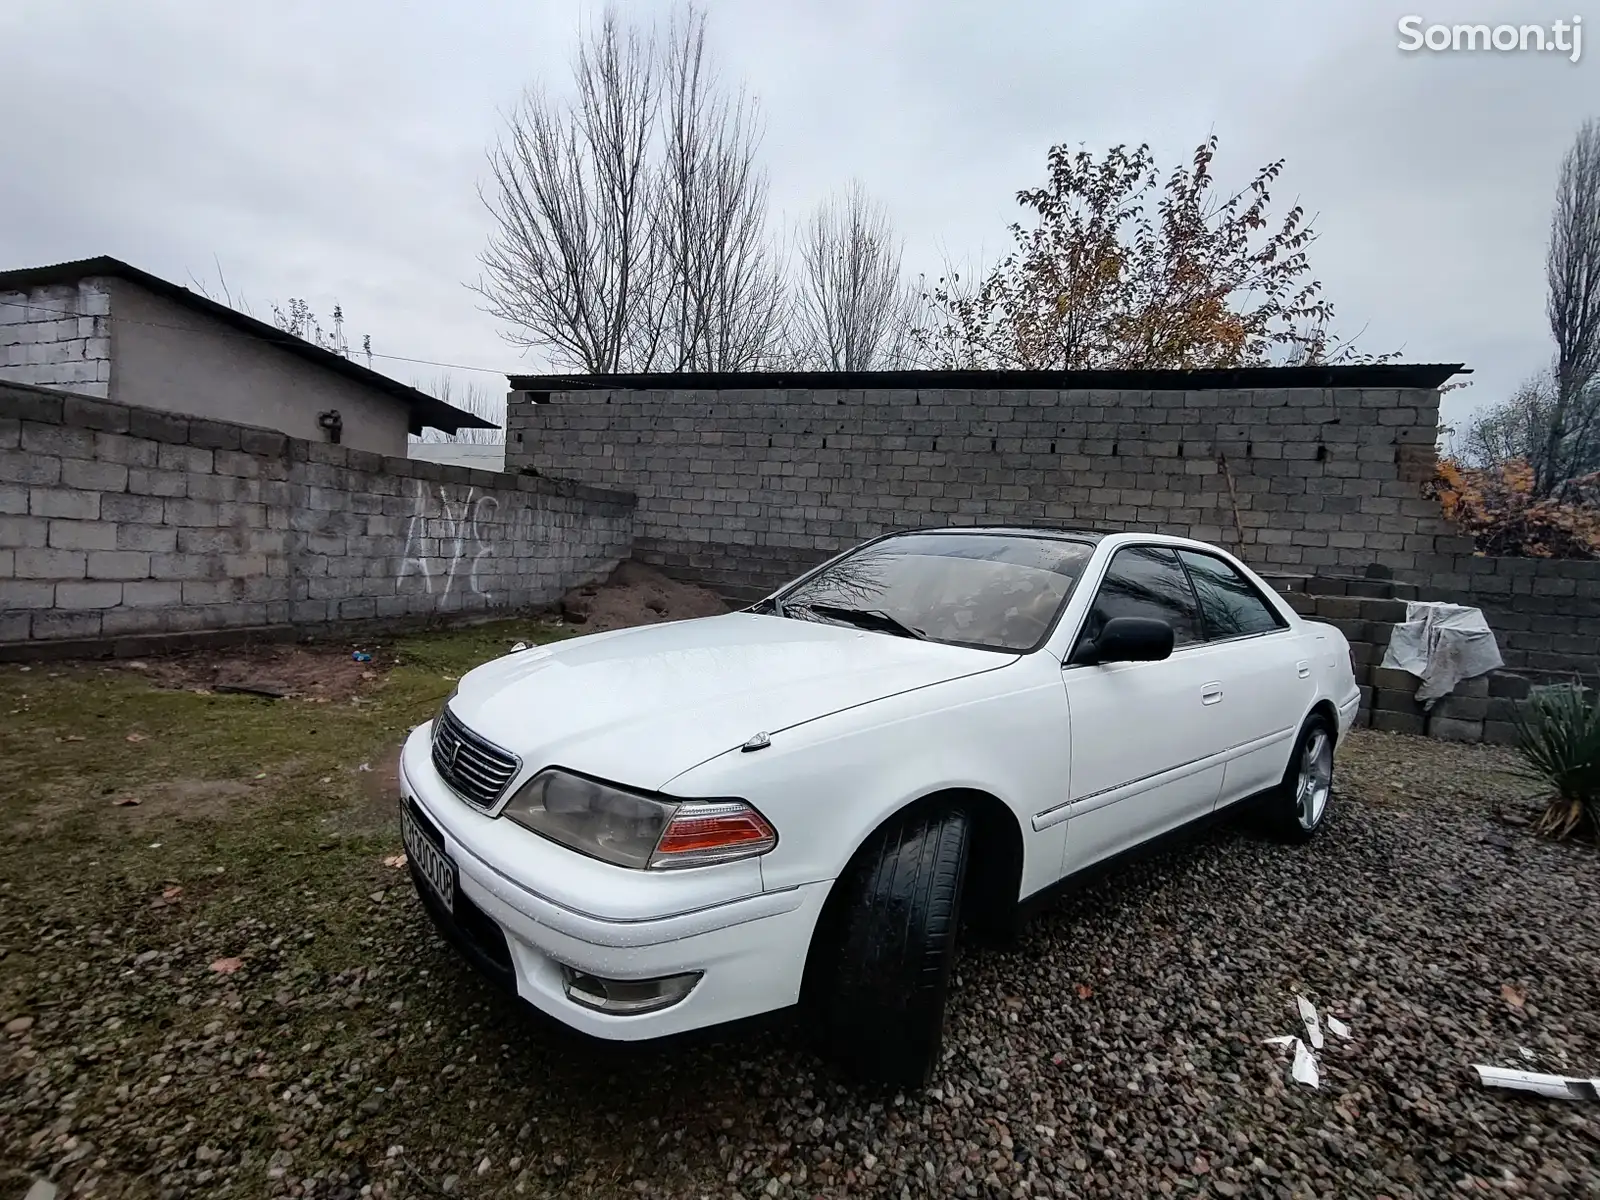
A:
{"x": 290, "y": 1026}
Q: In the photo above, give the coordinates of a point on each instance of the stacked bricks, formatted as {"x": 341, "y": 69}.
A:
{"x": 1366, "y": 609}
{"x": 739, "y": 484}
{"x": 741, "y": 490}
{"x": 119, "y": 521}
{"x": 57, "y": 336}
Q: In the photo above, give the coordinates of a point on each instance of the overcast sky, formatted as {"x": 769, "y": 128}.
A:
{"x": 332, "y": 150}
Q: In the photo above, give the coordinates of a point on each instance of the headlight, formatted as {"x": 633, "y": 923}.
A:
{"x": 633, "y": 829}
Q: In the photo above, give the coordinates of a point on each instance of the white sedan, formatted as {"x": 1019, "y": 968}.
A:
{"x": 663, "y": 828}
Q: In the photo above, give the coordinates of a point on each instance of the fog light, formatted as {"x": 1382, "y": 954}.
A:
{"x": 626, "y": 997}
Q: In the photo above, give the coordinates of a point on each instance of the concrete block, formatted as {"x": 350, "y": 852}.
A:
{"x": 1500, "y": 733}
{"x": 125, "y": 620}
{"x": 1395, "y": 680}
{"x": 146, "y": 482}
{"x": 181, "y": 566}
{"x": 58, "y": 441}
{"x": 18, "y": 531}
{"x": 192, "y": 460}
{"x": 1398, "y": 722}
{"x": 121, "y": 507}
{"x": 13, "y": 499}
{"x": 26, "y": 593}
{"x": 191, "y": 514}
{"x": 20, "y": 466}
{"x": 158, "y": 426}
{"x": 119, "y": 564}
{"x": 33, "y": 563}
{"x": 208, "y": 591}
{"x": 158, "y": 539}
{"x": 1390, "y": 612}
{"x": 1507, "y": 683}
{"x": 152, "y": 593}
{"x": 1468, "y": 708}
{"x": 93, "y": 476}
{"x": 1389, "y": 701}
{"x": 82, "y": 535}
{"x": 88, "y": 595}
{"x": 129, "y": 451}
{"x": 59, "y": 623}
{"x": 60, "y": 502}
{"x": 1454, "y": 729}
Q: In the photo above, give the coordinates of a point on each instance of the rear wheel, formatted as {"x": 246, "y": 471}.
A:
{"x": 884, "y": 968}
{"x": 1296, "y": 810}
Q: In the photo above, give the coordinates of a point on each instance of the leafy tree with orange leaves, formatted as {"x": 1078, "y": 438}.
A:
{"x": 1500, "y": 508}
{"x": 1120, "y": 269}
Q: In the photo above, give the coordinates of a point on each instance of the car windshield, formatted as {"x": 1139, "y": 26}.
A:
{"x": 994, "y": 591}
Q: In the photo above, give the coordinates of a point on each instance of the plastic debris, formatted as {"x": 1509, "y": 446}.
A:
{"x": 361, "y": 656}
{"x": 1287, "y": 1039}
{"x": 1308, "y": 1014}
{"x": 1559, "y": 1087}
{"x": 364, "y": 767}
{"x": 1305, "y": 1066}
{"x": 520, "y": 646}
{"x": 1338, "y": 1028}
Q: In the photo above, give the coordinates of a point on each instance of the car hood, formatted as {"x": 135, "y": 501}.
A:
{"x": 642, "y": 705}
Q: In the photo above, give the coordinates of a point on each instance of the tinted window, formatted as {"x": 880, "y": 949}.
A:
{"x": 993, "y": 590}
{"x": 1229, "y": 603}
{"x": 1146, "y": 581}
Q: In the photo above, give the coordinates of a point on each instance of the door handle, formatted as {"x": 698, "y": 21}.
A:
{"x": 1303, "y": 669}
{"x": 1211, "y": 693}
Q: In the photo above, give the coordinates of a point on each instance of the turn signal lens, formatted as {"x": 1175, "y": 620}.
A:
{"x": 711, "y": 832}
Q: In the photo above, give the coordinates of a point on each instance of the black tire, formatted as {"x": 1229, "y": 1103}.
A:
{"x": 884, "y": 970}
{"x": 1284, "y": 811}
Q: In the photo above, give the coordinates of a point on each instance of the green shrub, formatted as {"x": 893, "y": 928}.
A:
{"x": 1558, "y": 734}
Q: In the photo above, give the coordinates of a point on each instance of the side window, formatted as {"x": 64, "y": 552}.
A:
{"x": 1146, "y": 581}
{"x": 1229, "y": 603}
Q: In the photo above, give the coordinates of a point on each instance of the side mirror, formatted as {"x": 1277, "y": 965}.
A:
{"x": 1127, "y": 639}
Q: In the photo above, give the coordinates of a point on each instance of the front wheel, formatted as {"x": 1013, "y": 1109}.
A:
{"x": 1297, "y": 807}
{"x": 886, "y": 966}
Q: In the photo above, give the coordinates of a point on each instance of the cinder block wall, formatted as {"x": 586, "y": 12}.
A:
{"x": 740, "y": 489}
{"x": 118, "y": 521}
{"x": 58, "y": 336}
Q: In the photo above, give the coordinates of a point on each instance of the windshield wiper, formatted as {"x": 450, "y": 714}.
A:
{"x": 864, "y": 618}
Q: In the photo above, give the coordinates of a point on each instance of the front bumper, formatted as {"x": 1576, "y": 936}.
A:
{"x": 526, "y": 907}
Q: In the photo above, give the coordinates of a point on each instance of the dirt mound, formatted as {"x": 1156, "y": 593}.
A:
{"x": 329, "y": 672}
{"x": 637, "y": 595}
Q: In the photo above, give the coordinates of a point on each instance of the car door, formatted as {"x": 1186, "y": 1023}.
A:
{"x": 1263, "y": 669}
{"x": 1145, "y": 736}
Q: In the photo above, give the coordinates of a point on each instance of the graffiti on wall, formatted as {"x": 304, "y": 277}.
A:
{"x": 450, "y": 540}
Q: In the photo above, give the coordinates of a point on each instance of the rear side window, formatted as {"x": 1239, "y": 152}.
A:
{"x": 1146, "y": 581}
{"x": 1230, "y": 605}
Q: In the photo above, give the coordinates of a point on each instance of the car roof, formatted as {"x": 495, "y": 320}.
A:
{"x": 1079, "y": 535}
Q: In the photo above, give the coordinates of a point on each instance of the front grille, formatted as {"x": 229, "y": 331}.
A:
{"x": 475, "y": 769}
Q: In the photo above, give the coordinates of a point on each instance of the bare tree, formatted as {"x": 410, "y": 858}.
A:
{"x": 476, "y": 399}
{"x": 853, "y": 310}
{"x": 723, "y": 292}
{"x": 1572, "y": 272}
{"x": 630, "y": 222}
{"x": 569, "y": 265}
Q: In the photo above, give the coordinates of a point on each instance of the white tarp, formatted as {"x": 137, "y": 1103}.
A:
{"x": 1442, "y": 644}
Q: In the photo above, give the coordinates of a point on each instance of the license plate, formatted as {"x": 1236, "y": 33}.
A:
{"x": 430, "y": 860}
